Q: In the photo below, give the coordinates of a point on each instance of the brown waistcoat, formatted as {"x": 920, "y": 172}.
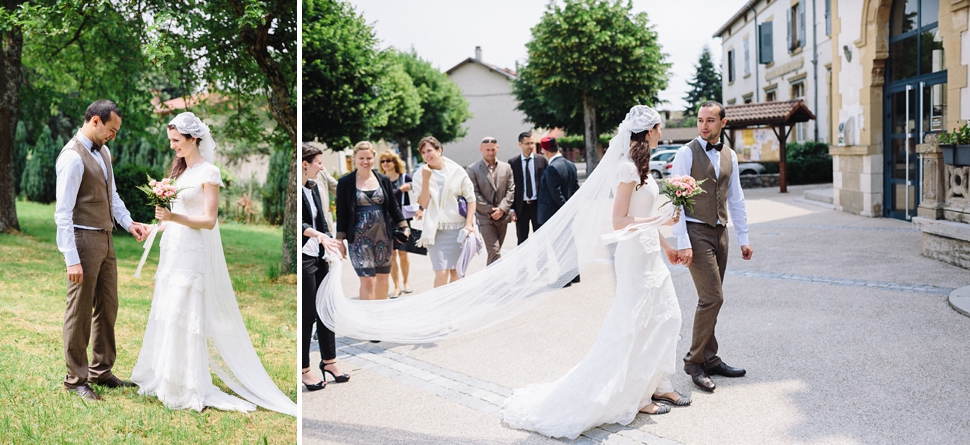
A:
{"x": 93, "y": 205}
{"x": 711, "y": 206}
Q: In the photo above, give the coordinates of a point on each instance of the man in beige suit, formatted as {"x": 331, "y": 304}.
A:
{"x": 327, "y": 185}
{"x": 87, "y": 208}
{"x": 494, "y": 192}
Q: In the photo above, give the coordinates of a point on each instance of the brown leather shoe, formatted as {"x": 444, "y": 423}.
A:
{"x": 85, "y": 392}
{"x": 115, "y": 382}
{"x": 700, "y": 377}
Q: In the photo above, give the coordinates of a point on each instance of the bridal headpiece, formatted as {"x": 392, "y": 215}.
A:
{"x": 188, "y": 123}
{"x": 639, "y": 118}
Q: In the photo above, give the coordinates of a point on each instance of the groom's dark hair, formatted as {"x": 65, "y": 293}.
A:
{"x": 713, "y": 103}
{"x": 102, "y": 109}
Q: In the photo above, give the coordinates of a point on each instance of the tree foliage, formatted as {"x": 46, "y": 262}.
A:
{"x": 589, "y": 61}
{"x": 274, "y": 199}
{"x": 706, "y": 84}
{"x": 39, "y": 180}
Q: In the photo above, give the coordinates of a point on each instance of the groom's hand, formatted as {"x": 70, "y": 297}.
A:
{"x": 686, "y": 256}
{"x": 746, "y": 252}
{"x": 75, "y": 274}
{"x": 139, "y": 230}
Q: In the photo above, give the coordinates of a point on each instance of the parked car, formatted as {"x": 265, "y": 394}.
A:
{"x": 665, "y": 147}
{"x": 660, "y": 159}
{"x": 745, "y": 168}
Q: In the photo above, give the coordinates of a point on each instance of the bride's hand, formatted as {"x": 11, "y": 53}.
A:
{"x": 674, "y": 220}
{"x": 163, "y": 214}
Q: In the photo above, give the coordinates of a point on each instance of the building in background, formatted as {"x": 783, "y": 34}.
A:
{"x": 488, "y": 90}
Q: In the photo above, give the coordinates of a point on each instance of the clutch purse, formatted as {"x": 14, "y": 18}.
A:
{"x": 400, "y": 235}
{"x": 462, "y": 206}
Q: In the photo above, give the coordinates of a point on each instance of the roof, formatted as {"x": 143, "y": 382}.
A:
{"x": 183, "y": 103}
{"x": 768, "y": 113}
{"x": 503, "y": 71}
{"x": 744, "y": 9}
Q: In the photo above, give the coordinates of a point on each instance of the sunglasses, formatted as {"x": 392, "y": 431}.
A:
{"x": 489, "y": 141}
{"x": 387, "y": 161}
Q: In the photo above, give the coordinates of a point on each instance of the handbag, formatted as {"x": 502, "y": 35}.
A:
{"x": 462, "y": 206}
{"x": 408, "y": 210}
{"x": 412, "y": 243}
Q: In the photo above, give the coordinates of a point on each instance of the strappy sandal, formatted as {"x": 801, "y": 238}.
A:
{"x": 314, "y": 386}
{"x": 660, "y": 409}
{"x": 681, "y": 401}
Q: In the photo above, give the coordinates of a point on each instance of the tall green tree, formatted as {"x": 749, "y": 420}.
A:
{"x": 706, "y": 84}
{"x": 593, "y": 58}
{"x": 39, "y": 180}
{"x": 443, "y": 108}
{"x": 11, "y": 46}
{"x": 342, "y": 72}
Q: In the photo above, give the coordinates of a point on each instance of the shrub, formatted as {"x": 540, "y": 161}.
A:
{"x": 19, "y": 157}
{"x": 127, "y": 178}
{"x": 274, "y": 190}
{"x": 809, "y": 163}
{"x": 39, "y": 180}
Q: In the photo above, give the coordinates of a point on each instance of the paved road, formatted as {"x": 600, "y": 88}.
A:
{"x": 843, "y": 327}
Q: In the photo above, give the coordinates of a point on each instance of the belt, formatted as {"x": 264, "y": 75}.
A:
{"x": 529, "y": 201}
{"x": 369, "y": 208}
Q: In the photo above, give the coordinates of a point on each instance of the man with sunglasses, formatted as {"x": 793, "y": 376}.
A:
{"x": 494, "y": 192}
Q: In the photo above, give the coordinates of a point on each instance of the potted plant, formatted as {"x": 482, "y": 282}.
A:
{"x": 956, "y": 146}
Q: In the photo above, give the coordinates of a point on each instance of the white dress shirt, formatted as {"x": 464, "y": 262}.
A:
{"x": 70, "y": 169}
{"x": 735, "y": 197}
{"x": 531, "y": 167}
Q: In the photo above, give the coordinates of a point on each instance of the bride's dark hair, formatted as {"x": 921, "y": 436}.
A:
{"x": 640, "y": 155}
{"x": 178, "y": 164}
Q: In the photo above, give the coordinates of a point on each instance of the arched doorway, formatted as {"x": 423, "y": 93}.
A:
{"x": 915, "y": 102}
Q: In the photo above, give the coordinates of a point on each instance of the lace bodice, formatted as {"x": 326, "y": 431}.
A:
{"x": 643, "y": 199}
{"x": 191, "y": 200}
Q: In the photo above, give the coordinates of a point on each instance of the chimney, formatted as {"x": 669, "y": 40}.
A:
{"x": 478, "y": 54}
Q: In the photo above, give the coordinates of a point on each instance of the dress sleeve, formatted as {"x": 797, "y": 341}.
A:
{"x": 212, "y": 175}
{"x": 627, "y": 172}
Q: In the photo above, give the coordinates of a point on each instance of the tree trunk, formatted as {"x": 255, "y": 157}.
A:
{"x": 10, "y": 77}
{"x": 404, "y": 146}
{"x": 281, "y": 105}
{"x": 590, "y": 137}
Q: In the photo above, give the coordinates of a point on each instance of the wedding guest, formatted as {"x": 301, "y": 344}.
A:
{"x": 440, "y": 185}
{"x": 494, "y": 192}
{"x": 328, "y": 185}
{"x": 393, "y": 167}
{"x": 558, "y": 183}
{"x": 527, "y": 168}
{"x": 704, "y": 229}
{"x": 315, "y": 269}
{"x": 367, "y": 217}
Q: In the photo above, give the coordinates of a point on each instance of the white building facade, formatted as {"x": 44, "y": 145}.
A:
{"x": 488, "y": 90}
{"x": 777, "y": 50}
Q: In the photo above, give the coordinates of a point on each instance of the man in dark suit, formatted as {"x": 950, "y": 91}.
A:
{"x": 527, "y": 169}
{"x": 559, "y": 182}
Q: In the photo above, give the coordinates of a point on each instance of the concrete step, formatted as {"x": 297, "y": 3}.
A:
{"x": 823, "y": 195}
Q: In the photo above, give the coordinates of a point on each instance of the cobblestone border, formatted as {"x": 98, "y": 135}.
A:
{"x": 819, "y": 226}
{"x": 466, "y": 390}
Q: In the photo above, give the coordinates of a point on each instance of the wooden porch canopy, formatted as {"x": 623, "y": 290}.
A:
{"x": 780, "y": 116}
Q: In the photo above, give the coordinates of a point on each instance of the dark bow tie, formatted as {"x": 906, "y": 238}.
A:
{"x": 718, "y": 146}
{"x": 310, "y": 184}
{"x": 95, "y": 148}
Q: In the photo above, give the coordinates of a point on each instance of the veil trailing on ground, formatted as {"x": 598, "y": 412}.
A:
{"x": 580, "y": 233}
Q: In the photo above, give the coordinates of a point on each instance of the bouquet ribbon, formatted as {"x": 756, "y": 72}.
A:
{"x": 148, "y": 248}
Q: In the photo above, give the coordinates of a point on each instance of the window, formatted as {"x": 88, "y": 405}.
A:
{"x": 765, "y": 48}
{"x": 747, "y": 98}
{"x": 796, "y": 26}
{"x": 732, "y": 101}
{"x": 798, "y": 92}
{"x": 730, "y": 65}
{"x": 771, "y": 95}
{"x": 828, "y": 17}
{"x": 747, "y": 59}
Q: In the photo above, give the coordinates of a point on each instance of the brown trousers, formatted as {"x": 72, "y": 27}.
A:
{"x": 493, "y": 233}
{"x": 92, "y": 307}
{"x": 710, "y": 250}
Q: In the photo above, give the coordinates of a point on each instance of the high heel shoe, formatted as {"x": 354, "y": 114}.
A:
{"x": 337, "y": 378}
{"x": 314, "y": 386}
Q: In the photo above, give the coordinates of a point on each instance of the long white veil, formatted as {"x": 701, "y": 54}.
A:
{"x": 231, "y": 352}
{"x": 519, "y": 281}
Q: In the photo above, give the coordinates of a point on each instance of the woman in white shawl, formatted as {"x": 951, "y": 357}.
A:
{"x": 440, "y": 185}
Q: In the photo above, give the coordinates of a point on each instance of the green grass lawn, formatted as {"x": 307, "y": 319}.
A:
{"x": 35, "y": 407}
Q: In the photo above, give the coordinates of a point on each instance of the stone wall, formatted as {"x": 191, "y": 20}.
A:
{"x": 944, "y": 212}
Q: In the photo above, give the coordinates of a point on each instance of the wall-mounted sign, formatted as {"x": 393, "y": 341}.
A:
{"x": 756, "y": 144}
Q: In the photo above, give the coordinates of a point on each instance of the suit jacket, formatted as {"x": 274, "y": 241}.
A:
{"x": 489, "y": 195}
{"x": 516, "y": 164}
{"x": 327, "y": 185}
{"x": 347, "y": 206}
{"x": 321, "y": 222}
{"x": 559, "y": 182}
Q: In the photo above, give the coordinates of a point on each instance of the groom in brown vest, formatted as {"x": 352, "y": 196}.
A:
{"x": 87, "y": 208}
{"x": 702, "y": 237}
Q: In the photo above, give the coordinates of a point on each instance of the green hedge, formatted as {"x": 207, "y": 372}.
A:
{"x": 809, "y": 163}
{"x": 127, "y": 178}
{"x": 39, "y": 180}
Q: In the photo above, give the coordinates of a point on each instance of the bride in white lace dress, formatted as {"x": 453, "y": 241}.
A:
{"x": 627, "y": 370}
{"x": 194, "y": 323}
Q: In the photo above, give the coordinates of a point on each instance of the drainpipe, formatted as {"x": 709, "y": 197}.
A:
{"x": 757, "y": 63}
{"x": 815, "y": 63}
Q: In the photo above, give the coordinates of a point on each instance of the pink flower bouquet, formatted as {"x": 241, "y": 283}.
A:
{"x": 160, "y": 193}
{"x": 681, "y": 190}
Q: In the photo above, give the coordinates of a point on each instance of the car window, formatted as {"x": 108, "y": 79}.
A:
{"x": 667, "y": 157}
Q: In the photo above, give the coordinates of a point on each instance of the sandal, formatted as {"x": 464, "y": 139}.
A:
{"x": 408, "y": 290}
{"x": 681, "y": 400}
{"x": 314, "y": 386}
{"x": 656, "y": 410}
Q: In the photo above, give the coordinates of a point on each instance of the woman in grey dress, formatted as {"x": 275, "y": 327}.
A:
{"x": 440, "y": 184}
{"x": 366, "y": 217}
